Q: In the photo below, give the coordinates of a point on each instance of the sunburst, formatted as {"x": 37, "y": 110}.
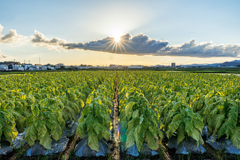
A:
{"x": 118, "y": 42}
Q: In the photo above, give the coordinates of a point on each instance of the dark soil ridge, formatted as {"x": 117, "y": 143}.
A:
{"x": 65, "y": 155}
{"x": 116, "y": 140}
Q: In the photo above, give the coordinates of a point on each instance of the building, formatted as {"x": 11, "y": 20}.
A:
{"x": 173, "y": 65}
{"x": 3, "y": 67}
{"x": 135, "y": 67}
{"x": 12, "y": 65}
{"x": 59, "y": 65}
{"x": 33, "y": 68}
{"x": 27, "y": 66}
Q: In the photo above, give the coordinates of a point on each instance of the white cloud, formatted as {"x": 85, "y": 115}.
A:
{"x": 142, "y": 45}
{"x": 11, "y": 37}
{"x": 2, "y": 56}
{"x": 129, "y": 44}
{"x": 204, "y": 49}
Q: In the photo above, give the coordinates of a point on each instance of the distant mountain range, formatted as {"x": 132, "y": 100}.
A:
{"x": 224, "y": 64}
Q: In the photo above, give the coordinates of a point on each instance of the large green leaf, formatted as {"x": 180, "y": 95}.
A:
{"x": 152, "y": 144}
{"x": 132, "y": 124}
{"x": 31, "y": 135}
{"x": 138, "y": 139}
{"x": 56, "y": 133}
{"x": 81, "y": 129}
{"x": 128, "y": 107}
{"x": 180, "y": 133}
{"x": 198, "y": 124}
{"x": 41, "y": 130}
{"x": 235, "y": 138}
{"x": 10, "y": 132}
{"x": 93, "y": 141}
{"x": 188, "y": 126}
{"x": 135, "y": 114}
{"x": 46, "y": 141}
{"x": 35, "y": 109}
{"x": 105, "y": 133}
{"x": 195, "y": 134}
{"x": 222, "y": 129}
{"x": 97, "y": 127}
{"x": 130, "y": 139}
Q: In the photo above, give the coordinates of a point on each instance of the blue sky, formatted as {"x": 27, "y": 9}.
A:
{"x": 173, "y": 21}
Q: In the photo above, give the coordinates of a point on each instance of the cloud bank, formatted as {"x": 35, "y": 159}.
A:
{"x": 128, "y": 44}
{"x": 2, "y": 55}
{"x": 10, "y": 37}
{"x": 141, "y": 45}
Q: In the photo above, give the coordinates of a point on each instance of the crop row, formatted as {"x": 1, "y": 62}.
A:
{"x": 153, "y": 106}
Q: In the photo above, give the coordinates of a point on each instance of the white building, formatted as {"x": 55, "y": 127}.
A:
{"x": 18, "y": 67}
{"x": 3, "y": 67}
{"x": 33, "y": 68}
{"x": 42, "y": 67}
{"x": 173, "y": 65}
{"x": 135, "y": 67}
{"x": 59, "y": 65}
{"x": 27, "y": 66}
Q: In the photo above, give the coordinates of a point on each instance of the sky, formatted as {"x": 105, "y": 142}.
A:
{"x": 136, "y": 32}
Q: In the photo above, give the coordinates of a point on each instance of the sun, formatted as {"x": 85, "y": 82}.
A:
{"x": 117, "y": 41}
{"x": 116, "y": 34}
{"x": 117, "y": 38}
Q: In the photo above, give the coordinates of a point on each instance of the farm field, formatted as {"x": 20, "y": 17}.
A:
{"x": 120, "y": 114}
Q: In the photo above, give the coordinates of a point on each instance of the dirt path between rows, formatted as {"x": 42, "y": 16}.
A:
{"x": 116, "y": 139}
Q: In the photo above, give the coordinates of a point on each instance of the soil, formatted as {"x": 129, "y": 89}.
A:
{"x": 116, "y": 147}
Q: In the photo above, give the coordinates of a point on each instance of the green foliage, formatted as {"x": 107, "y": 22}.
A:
{"x": 95, "y": 119}
{"x": 43, "y": 102}
{"x": 141, "y": 121}
{"x": 185, "y": 102}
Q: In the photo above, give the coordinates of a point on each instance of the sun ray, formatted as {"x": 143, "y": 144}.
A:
{"x": 117, "y": 43}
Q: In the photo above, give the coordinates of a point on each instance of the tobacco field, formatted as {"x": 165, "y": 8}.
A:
{"x": 119, "y": 115}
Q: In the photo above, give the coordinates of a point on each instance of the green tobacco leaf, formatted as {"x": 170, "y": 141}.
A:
{"x": 10, "y": 132}
{"x": 222, "y": 129}
{"x": 188, "y": 126}
{"x": 130, "y": 139}
{"x": 142, "y": 128}
{"x": 198, "y": 124}
{"x": 235, "y": 138}
{"x": 138, "y": 139}
{"x": 81, "y": 129}
{"x": 97, "y": 127}
{"x": 86, "y": 110}
{"x": 46, "y": 141}
{"x": 232, "y": 118}
{"x": 41, "y": 130}
{"x": 219, "y": 119}
{"x": 132, "y": 124}
{"x": 141, "y": 119}
{"x": 105, "y": 133}
{"x": 195, "y": 134}
{"x": 81, "y": 119}
{"x": 152, "y": 144}
{"x": 180, "y": 133}
{"x": 89, "y": 123}
{"x": 31, "y": 135}
{"x": 35, "y": 109}
{"x": 56, "y": 133}
{"x": 93, "y": 141}
{"x": 173, "y": 126}
{"x": 128, "y": 107}
{"x": 135, "y": 114}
